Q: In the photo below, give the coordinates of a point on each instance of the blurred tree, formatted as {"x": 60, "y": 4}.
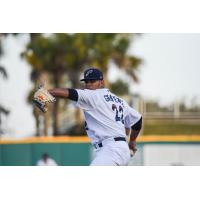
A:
{"x": 3, "y": 110}
{"x": 2, "y": 69}
{"x": 113, "y": 47}
{"x": 35, "y": 76}
{"x": 70, "y": 54}
{"x": 120, "y": 87}
{"x": 3, "y": 72}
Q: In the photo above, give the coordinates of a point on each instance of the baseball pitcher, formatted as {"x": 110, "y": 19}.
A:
{"x": 106, "y": 117}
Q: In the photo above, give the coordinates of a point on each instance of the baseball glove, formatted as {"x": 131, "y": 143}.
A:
{"x": 41, "y": 98}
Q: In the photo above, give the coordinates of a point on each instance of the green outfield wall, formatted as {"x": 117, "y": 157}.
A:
{"x": 77, "y": 151}
{"x": 28, "y": 152}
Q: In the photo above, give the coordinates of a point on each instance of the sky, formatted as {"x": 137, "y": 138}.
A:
{"x": 170, "y": 72}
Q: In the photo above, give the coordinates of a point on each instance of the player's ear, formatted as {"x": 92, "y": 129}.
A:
{"x": 102, "y": 83}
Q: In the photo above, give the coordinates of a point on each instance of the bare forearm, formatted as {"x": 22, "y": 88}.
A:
{"x": 132, "y": 141}
{"x": 59, "y": 92}
{"x": 134, "y": 135}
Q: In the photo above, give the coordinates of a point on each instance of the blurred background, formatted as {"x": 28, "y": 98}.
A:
{"x": 158, "y": 74}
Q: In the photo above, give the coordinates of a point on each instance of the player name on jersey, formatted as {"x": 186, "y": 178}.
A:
{"x": 113, "y": 99}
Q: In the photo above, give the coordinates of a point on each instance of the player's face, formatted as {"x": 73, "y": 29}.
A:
{"x": 93, "y": 84}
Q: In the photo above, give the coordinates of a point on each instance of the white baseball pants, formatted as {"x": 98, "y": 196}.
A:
{"x": 112, "y": 153}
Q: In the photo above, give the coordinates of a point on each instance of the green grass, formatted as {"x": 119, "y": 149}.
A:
{"x": 170, "y": 127}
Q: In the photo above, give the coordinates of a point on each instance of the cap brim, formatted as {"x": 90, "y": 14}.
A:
{"x": 89, "y": 79}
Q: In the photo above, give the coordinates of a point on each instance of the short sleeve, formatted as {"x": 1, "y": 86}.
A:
{"x": 132, "y": 117}
{"x": 85, "y": 99}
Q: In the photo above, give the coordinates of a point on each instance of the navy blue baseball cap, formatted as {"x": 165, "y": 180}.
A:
{"x": 92, "y": 74}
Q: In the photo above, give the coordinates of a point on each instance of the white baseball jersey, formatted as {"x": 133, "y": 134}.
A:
{"x": 106, "y": 115}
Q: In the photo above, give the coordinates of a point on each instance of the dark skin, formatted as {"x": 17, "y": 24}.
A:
{"x": 93, "y": 85}
{"x": 132, "y": 141}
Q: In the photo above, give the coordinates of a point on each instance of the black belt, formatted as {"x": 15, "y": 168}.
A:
{"x": 116, "y": 139}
